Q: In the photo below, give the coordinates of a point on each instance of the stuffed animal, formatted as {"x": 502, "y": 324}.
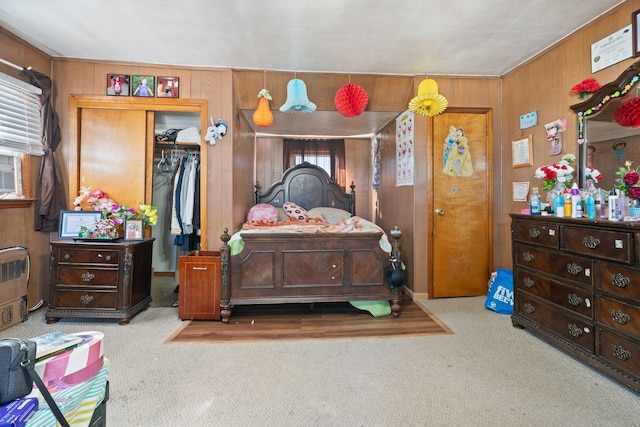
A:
{"x": 216, "y": 131}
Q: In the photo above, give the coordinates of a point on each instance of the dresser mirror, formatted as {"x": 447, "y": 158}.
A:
{"x": 608, "y": 129}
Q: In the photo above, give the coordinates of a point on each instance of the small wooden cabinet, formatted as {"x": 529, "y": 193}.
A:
{"x": 577, "y": 286}
{"x": 199, "y": 296}
{"x": 99, "y": 280}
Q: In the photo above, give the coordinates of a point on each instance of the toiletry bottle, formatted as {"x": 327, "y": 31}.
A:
{"x": 576, "y": 202}
{"x": 535, "y": 204}
{"x": 591, "y": 206}
{"x": 567, "y": 202}
{"x": 613, "y": 205}
{"x": 558, "y": 204}
{"x": 599, "y": 205}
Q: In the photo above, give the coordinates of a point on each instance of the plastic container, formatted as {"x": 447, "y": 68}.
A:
{"x": 535, "y": 204}
{"x": 558, "y": 205}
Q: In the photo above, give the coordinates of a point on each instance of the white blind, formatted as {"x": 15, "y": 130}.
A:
{"x": 20, "y": 116}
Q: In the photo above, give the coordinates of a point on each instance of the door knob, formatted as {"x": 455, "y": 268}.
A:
{"x": 439, "y": 212}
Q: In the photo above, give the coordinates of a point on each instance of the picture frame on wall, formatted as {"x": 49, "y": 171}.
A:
{"x": 143, "y": 86}
{"x": 118, "y": 84}
{"x": 133, "y": 229}
{"x": 520, "y": 191}
{"x": 522, "y": 152}
{"x": 635, "y": 32}
{"x": 168, "y": 87}
{"x": 72, "y": 221}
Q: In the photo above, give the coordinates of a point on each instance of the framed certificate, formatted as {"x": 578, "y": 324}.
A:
{"x": 522, "y": 152}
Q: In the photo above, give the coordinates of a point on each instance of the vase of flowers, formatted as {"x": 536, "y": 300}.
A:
{"x": 104, "y": 229}
{"x": 556, "y": 176}
{"x": 628, "y": 183}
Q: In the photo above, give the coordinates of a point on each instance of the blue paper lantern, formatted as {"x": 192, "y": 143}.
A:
{"x": 297, "y": 99}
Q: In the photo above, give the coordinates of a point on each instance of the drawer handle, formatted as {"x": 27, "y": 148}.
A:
{"x": 529, "y": 308}
{"x": 200, "y": 268}
{"x": 528, "y": 282}
{"x": 108, "y": 257}
{"x": 620, "y": 352}
{"x": 574, "y": 330}
{"x": 534, "y": 233}
{"x": 619, "y": 280}
{"x": 619, "y": 316}
{"x": 591, "y": 242}
{"x": 86, "y": 299}
{"x": 67, "y": 256}
{"x": 88, "y": 276}
{"x": 574, "y": 269}
{"x": 528, "y": 256}
{"x": 574, "y": 300}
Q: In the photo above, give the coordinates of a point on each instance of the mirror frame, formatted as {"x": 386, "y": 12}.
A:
{"x": 598, "y": 102}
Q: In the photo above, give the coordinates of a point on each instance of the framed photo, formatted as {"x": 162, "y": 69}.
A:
{"x": 635, "y": 32}
{"x": 118, "y": 84}
{"x": 133, "y": 229}
{"x": 522, "y": 152}
{"x": 143, "y": 86}
{"x": 71, "y": 221}
{"x": 520, "y": 191}
{"x": 168, "y": 87}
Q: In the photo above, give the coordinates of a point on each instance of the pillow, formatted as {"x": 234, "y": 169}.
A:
{"x": 295, "y": 211}
{"x": 331, "y": 215}
{"x": 263, "y": 212}
{"x": 282, "y": 214}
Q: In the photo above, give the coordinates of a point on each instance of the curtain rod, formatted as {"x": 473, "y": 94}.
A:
{"x": 11, "y": 64}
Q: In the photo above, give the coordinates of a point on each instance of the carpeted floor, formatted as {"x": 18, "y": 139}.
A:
{"x": 286, "y": 322}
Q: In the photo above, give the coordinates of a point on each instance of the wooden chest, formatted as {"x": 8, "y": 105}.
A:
{"x": 199, "y": 296}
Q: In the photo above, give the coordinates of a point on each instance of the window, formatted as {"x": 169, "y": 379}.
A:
{"x": 20, "y": 132}
{"x": 327, "y": 154}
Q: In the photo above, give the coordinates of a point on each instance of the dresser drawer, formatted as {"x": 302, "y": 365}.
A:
{"x": 88, "y": 256}
{"x": 537, "y": 232}
{"x": 575, "y": 329}
{"x": 619, "y": 315}
{"x": 613, "y": 245}
{"x": 620, "y": 280}
{"x": 564, "y": 266}
{"x": 621, "y": 352}
{"x": 78, "y": 276}
{"x": 530, "y": 281}
{"x": 86, "y": 299}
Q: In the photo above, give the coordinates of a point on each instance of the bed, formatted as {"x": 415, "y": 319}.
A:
{"x": 273, "y": 267}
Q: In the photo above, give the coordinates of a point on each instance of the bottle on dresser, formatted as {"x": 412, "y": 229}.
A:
{"x": 535, "y": 204}
{"x": 558, "y": 204}
{"x": 613, "y": 205}
{"x": 576, "y": 202}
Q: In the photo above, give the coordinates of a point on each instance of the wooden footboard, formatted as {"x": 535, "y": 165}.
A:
{"x": 305, "y": 268}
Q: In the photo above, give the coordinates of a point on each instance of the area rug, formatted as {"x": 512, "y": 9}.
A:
{"x": 284, "y": 322}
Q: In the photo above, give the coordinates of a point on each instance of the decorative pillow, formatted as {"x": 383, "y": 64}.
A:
{"x": 331, "y": 215}
{"x": 282, "y": 214}
{"x": 263, "y": 212}
{"x": 295, "y": 211}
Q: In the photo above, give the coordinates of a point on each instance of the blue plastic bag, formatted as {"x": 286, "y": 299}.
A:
{"x": 500, "y": 295}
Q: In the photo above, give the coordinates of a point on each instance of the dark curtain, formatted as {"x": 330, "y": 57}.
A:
{"x": 50, "y": 197}
{"x": 309, "y": 150}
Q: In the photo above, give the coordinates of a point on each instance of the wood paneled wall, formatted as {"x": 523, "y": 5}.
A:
{"x": 544, "y": 85}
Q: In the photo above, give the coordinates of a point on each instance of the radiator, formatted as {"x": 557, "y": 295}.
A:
{"x": 14, "y": 274}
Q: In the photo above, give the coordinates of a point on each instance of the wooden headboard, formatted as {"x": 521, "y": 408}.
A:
{"x": 308, "y": 186}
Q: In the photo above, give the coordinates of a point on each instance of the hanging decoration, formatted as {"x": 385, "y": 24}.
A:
{"x": 216, "y": 131}
{"x": 628, "y": 114}
{"x": 297, "y": 99}
{"x": 351, "y": 100}
{"x": 428, "y": 102}
{"x": 263, "y": 115}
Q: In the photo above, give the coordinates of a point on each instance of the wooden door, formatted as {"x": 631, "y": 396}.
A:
{"x": 461, "y": 205}
{"x": 113, "y": 153}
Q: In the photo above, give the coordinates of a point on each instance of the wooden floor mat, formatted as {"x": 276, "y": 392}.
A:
{"x": 284, "y": 322}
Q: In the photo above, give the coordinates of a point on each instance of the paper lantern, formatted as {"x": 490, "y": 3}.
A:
{"x": 428, "y": 102}
{"x": 351, "y": 100}
{"x": 628, "y": 114}
{"x": 297, "y": 99}
{"x": 263, "y": 115}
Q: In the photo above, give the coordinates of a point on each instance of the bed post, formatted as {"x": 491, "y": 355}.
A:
{"x": 352, "y": 199}
{"x": 396, "y": 262}
{"x": 225, "y": 290}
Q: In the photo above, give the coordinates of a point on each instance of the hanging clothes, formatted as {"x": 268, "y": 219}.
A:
{"x": 185, "y": 221}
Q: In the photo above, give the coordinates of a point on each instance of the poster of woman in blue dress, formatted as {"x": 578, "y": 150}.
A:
{"x": 456, "y": 154}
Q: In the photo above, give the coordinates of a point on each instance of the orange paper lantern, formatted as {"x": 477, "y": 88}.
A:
{"x": 263, "y": 115}
{"x": 351, "y": 100}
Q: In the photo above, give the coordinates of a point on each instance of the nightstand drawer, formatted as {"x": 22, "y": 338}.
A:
{"x": 614, "y": 245}
{"x": 86, "y": 299}
{"x": 68, "y": 276}
{"x": 88, "y": 256}
{"x": 537, "y": 232}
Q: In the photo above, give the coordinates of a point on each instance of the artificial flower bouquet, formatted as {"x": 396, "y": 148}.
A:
{"x": 586, "y": 87}
{"x": 557, "y": 173}
{"x": 629, "y": 181}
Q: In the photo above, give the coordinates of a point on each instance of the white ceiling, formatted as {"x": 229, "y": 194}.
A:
{"x": 420, "y": 37}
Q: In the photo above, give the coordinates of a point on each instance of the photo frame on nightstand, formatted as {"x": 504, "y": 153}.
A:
{"x": 133, "y": 229}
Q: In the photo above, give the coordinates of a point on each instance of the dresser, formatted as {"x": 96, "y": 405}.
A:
{"x": 577, "y": 286}
{"x": 99, "y": 280}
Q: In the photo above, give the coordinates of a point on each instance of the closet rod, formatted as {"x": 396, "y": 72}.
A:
{"x": 11, "y": 64}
